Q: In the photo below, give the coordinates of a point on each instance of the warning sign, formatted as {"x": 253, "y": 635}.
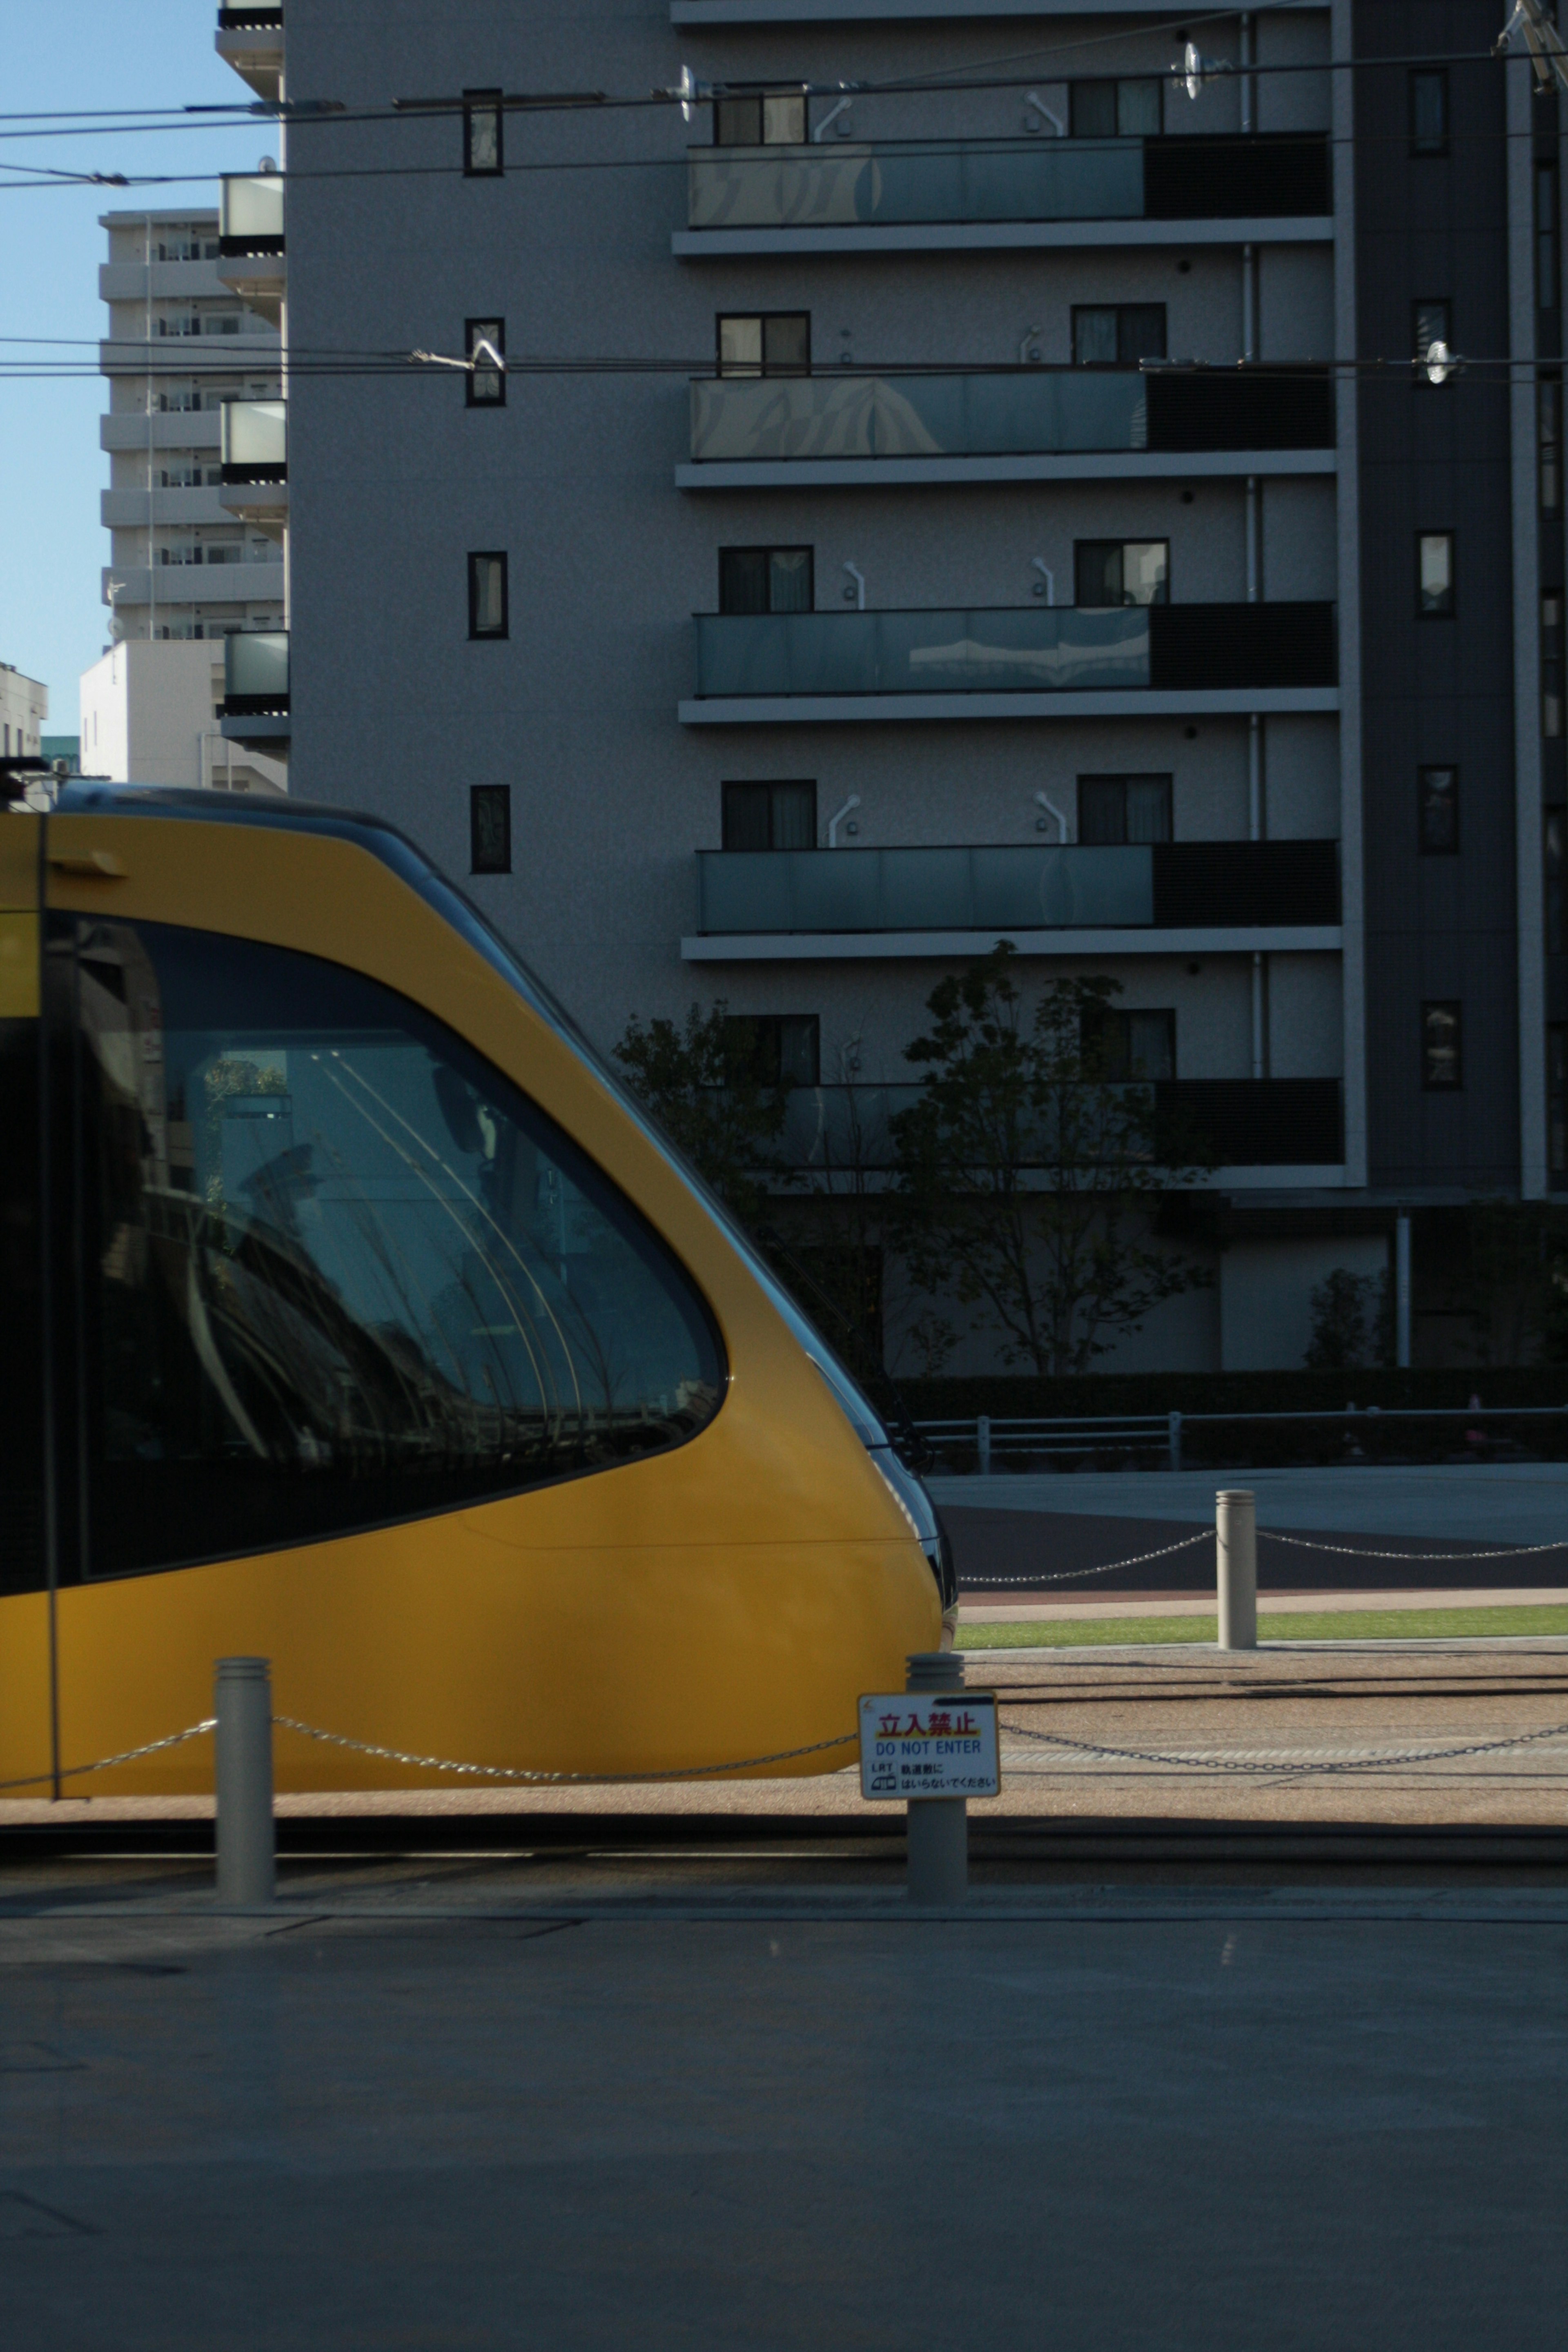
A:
{"x": 937, "y": 1744}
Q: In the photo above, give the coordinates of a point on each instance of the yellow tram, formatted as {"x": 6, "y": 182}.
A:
{"x": 355, "y": 1318}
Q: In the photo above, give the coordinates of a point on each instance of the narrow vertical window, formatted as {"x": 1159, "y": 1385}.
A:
{"x": 482, "y": 157}
{"x": 1552, "y": 845}
{"x": 766, "y": 580}
{"x": 1435, "y": 573}
{"x": 1546, "y": 270}
{"x": 1557, "y": 1098}
{"x": 770, "y": 815}
{"x": 1439, "y": 812}
{"x": 1549, "y": 440}
{"x": 1432, "y": 323}
{"x": 487, "y": 595}
{"x": 1551, "y": 662}
{"x": 1429, "y": 110}
{"x": 1442, "y": 1063}
{"x": 490, "y": 829}
{"x": 485, "y": 384}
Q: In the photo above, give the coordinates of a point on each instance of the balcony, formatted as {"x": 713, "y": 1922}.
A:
{"x": 1013, "y": 661}
{"x": 251, "y": 41}
{"x": 1277, "y": 1124}
{"x": 244, "y": 582}
{"x": 173, "y": 428}
{"x": 1218, "y": 896}
{"x": 250, "y": 240}
{"x": 254, "y": 442}
{"x": 929, "y": 194}
{"x": 1006, "y": 424}
{"x": 256, "y": 686}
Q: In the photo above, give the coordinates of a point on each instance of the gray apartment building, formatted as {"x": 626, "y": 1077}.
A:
{"x": 969, "y": 473}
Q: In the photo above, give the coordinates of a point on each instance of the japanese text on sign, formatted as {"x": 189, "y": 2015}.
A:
{"x": 919, "y": 1744}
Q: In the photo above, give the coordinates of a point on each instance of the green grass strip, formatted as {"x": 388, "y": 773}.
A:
{"x": 1310, "y": 1625}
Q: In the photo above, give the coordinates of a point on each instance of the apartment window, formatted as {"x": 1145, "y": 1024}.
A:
{"x": 1114, "y": 110}
{"x": 766, "y": 580}
{"x": 1118, "y": 334}
{"x": 1551, "y": 662}
{"x": 773, "y": 1049}
{"x": 767, "y": 343}
{"x": 767, "y": 118}
{"x": 1431, "y": 323}
{"x": 1552, "y": 845}
{"x": 1121, "y": 571}
{"x": 1435, "y": 573}
{"x": 486, "y": 385}
{"x": 1442, "y": 1063}
{"x": 769, "y": 817}
{"x": 490, "y": 829}
{"x": 483, "y": 154}
{"x": 1557, "y": 1098}
{"x": 1549, "y": 440}
{"x": 1118, "y": 1046}
{"x": 1112, "y": 809}
{"x": 1438, "y": 804}
{"x": 1429, "y": 110}
{"x": 1546, "y": 270}
{"x": 487, "y": 595}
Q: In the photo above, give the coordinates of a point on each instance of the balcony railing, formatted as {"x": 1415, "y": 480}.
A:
{"x": 1016, "y": 649}
{"x": 1240, "y": 1123}
{"x": 249, "y": 20}
{"x": 906, "y": 182}
{"x": 254, "y": 441}
{"x": 256, "y": 674}
{"x": 1019, "y": 886}
{"x": 1005, "y": 413}
{"x": 250, "y": 214}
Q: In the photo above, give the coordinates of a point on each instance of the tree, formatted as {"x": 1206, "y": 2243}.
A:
{"x": 1032, "y": 1167}
{"x": 700, "y": 1084}
{"x": 1352, "y": 1322}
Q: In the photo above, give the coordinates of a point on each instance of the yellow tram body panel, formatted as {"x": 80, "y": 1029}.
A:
{"x": 725, "y": 1599}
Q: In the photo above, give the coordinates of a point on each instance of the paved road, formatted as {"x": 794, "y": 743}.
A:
{"x": 1200, "y": 2123}
{"x": 1473, "y": 1502}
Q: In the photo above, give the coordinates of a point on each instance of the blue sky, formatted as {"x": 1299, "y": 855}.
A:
{"x": 86, "y": 53}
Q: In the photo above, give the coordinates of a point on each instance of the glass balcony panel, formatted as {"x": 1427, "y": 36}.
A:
{"x": 1017, "y": 886}
{"x": 256, "y": 663}
{"x": 741, "y": 890}
{"x": 250, "y": 206}
{"x": 748, "y": 418}
{"x": 1020, "y": 649}
{"x": 926, "y": 890}
{"x": 962, "y": 179}
{"x": 255, "y": 432}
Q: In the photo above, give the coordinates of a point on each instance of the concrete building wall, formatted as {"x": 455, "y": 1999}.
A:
{"x": 23, "y": 708}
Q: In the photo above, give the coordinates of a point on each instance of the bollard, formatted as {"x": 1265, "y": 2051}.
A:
{"x": 246, "y": 1844}
{"x": 1174, "y": 1434}
{"x": 938, "y": 1831}
{"x": 982, "y": 1443}
{"x": 1236, "y": 1564}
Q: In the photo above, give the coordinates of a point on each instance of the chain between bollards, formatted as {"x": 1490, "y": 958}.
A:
{"x": 938, "y": 1835}
{"x": 242, "y": 1742}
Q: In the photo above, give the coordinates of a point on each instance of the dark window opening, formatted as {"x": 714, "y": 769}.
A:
{"x": 488, "y": 595}
{"x": 1547, "y": 274}
{"x": 1551, "y": 663}
{"x": 1121, "y": 571}
{"x": 341, "y": 1271}
{"x": 1118, "y": 1046}
{"x": 1557, "y": 1098}
{"x": 1435, "y": 573}
{"x": 1429, "y": 110}
{"x": 773, "y": 1049}
{"x": 767, "y": 118}
{"x": 1440, "y": 810}
{"x": 1118, "y": 334}
{"x": 1549, "y": 437}
{"x": 482, "y": 150}
{"x": 486, "y": 385}
{"x": 1442, "y": 1061}
{"x": 490, "y": 828}
{"x": 769, "y": 817}
{"x": 766, "y": 342}
{"x": 1112, "y": 809}
{"x": 1114, "y": 110}
{"x": 766, "y": 580}
{"x": 1553, "y": 844}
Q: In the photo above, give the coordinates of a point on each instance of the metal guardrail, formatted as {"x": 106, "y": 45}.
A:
{"x": 994, "y": 1439}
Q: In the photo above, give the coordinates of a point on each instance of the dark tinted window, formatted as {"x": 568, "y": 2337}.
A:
{"x": 1440, "y": 803}
{"x": 1121, "y": 571}
{"x": 486, "y": 385}
{"x": 490, "y": 828}
{"x": 763, "y": 342}
{"x": 1435, "y": 573}
{"x": 774, "y": 1049}
{"x": 1429, "y": 110}
{"x": 1442, "y": 1058}
{"x": 1123, "y": 808}
{"x": 488, "y": 614}
{"x": 771, "y": 118}
{"x": 769, "y": 817}
{"x": 766, "y": 580}
{"x": 340, "y": 1270}
{"x": 482, "y": 153}
{"x": 1118, "y": 334}
{"x": 1120, "y": 1046}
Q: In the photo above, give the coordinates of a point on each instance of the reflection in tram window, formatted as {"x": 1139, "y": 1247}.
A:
{"x": 346, "y": 1273}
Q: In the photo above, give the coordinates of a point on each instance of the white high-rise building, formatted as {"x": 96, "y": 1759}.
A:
{"x": 196, "y": 555}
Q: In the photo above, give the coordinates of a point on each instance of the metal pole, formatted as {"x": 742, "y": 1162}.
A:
{"x": 982, "y": 1443}
{"x": 1236, "y": 1564}
{"x": 937, "y": 1826}
{"x": 246, "y": 1845}
{"x": 1173, "y": 1422}
{"x": 1401, "y": 1289}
